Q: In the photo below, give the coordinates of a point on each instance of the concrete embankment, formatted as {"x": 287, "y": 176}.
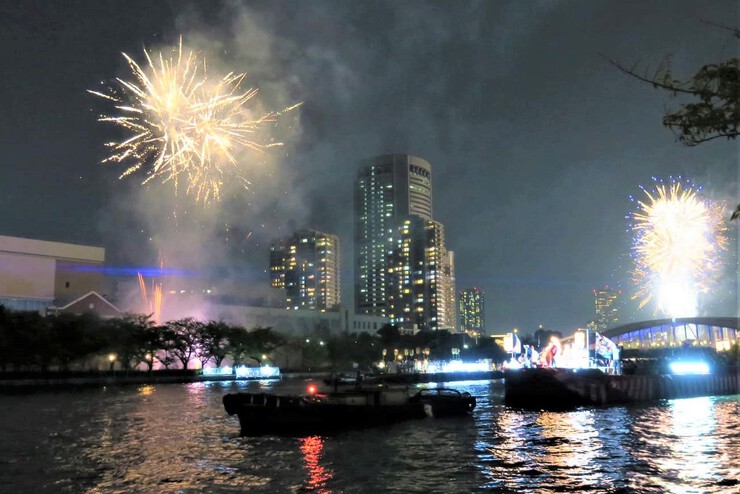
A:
{"x": 52, "y": 381}
{"x": 26, "y": 381}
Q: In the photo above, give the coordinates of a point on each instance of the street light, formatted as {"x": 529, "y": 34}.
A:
{"x": 112, "y": 359}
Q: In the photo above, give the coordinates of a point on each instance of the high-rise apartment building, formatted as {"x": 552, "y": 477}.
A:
{"x": 306, "y": 267}
{"x": 605, "y": 304}
{"x": 440, "y": 276}
{"x": 420, "y": 277}
{"x": 407, "y": 297}
{"x": 472, "y": 311}
{"x": 389, "y": 188}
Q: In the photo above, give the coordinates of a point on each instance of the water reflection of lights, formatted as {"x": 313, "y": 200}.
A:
{"x": 312, "y": 447}
{"x": 195, "y": 388}
{"x": 693, "y": 424}
{"x": 545, "y": 444}
{"x": 684, "y": 445}
{"x": 146, "y": 390}
{"x": 509, "y": 452}
{"x": 571, "y": 441}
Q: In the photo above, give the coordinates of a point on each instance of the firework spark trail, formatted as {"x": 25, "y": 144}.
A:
{"x": 677, "y": 248}
{"x": 182, "y": 124}
{"x": 142, "y": 289}
{"x": 157, "y": 303}
{"x": 153, "y": 305}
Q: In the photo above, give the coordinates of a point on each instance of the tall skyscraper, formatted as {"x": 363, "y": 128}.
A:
{"x": 605, "y": 305}
{"x": 389, "y": 188}
{"x": 306, "y": 266}
{"x": 403, "y": 269}
{"x": 472, "y": 311}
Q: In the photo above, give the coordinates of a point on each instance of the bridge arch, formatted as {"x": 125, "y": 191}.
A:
{"x": 718, "y": 333}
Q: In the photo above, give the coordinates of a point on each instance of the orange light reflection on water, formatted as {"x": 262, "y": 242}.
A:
{"x": 146, "y": 390}
{"x": 571, "y": 441}
{"x": 312, "y": 447}
{"x": 545, "y": 444}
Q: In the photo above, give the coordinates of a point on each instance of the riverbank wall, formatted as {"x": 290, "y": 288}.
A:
{"x": 547, "y": 388}
{"x": 29, "y": 381}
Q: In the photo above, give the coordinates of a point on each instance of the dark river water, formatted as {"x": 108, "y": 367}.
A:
{"x": 177, "y": 438}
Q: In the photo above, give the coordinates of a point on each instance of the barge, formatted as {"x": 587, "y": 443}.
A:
{"x": 317, "y": 413}
{"x": 553, "y": 388}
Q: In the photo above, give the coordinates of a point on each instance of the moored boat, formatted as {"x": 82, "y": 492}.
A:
{"x": 444, "y": 402}
{"x": 319, "y": 413}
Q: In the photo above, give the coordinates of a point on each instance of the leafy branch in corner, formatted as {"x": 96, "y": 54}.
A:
{"x": 711, "y": 110}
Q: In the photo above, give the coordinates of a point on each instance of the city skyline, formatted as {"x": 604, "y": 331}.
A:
{"x": 537, "y": 142}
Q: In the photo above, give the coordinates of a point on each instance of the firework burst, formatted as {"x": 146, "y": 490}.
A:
{"x": 181, "y": 124}
{"x": 678, "y": 242}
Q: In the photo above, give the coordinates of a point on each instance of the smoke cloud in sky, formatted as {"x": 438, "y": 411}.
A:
{"x": 536, "y": 142}
{"x": 289, "y": 191}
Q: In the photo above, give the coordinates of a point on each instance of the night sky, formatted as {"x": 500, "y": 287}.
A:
{"x": 536, "y": 142}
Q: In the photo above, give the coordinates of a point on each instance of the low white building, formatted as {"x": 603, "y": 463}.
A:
{"x": 37, "y": 274}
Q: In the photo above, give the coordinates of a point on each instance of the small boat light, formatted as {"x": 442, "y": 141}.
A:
{"x": 311, "y": 389}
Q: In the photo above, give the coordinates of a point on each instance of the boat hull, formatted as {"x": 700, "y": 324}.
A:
{"x": 443, "y": 402}
{"x": 562, "y": 388}
{"x": 323, "y": 414}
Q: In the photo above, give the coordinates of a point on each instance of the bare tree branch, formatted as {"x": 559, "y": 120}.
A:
{"x": 653, "y": 81}
{"x": 714, "y": 90}
{"x": 735, "y": 31}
